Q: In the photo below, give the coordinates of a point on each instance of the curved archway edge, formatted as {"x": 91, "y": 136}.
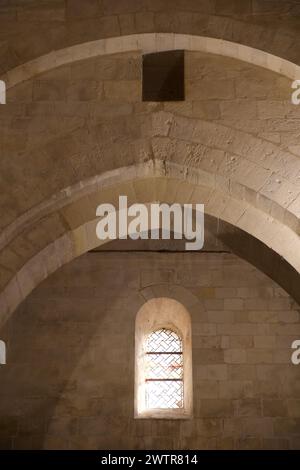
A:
{"x": 147, "y": 43}
{"x": 82, "y": 238}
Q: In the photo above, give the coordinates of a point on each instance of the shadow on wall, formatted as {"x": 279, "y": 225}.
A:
{"x": 58, "y": 350}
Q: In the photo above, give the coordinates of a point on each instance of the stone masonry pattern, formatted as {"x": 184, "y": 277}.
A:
{"x": 70, "y": 376}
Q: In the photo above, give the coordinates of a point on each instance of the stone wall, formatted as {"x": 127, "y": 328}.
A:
{"x": 31, "y": 28}
{"x": 69, "y": 379}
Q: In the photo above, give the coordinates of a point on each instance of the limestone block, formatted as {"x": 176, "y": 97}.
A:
{"x": 212, "y": 372}
{"x": 293, "y": 406}
{"x": 77, "y": 213}
{"x": 263, "y": 341}
{"x": 233, "y": 7}
{"x": 238, "y": 109}
{"x": 74, "y": 9}
{"x": 211, "y": 408}
{"x": 126, "y": 90}
{"x": 30, "y": 275}
{"x": 206, "y": 109}
{"x": 208, "y": 90}
{"x": 127, "y": 24}
{"x": 282, "y": 356}
{"x": 122, "y": 7}
{"x": 233, "y": 389}
{"x": 145, "y": 190}
{"x": 182, "y": 41}
{"x": 10, "y": 298}
{"x": 255, "y": 426}
{"x": 241, "y": 372}
{"x": 241, "y": 342}
{"x": 209, "y": 427}
{"x": 233, "y": 304}
{"x": 291, "y": 316}
{"x": 272, "y": 444}
{"x": 49, "y": 91}
{"x": 286, "y": 426}
{"x": 237, "y": 329}
{"x": 248, "y": 407}
{"x": 274, "y": 408}
{"x": 249, "y": 443}
{"x": 235, "y": 356}
{"x": 208, "y": 356}
{"x": 260, "y": 356}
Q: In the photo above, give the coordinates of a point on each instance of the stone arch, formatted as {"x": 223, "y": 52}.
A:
{"x": 81, "y": 238}
{"x": 147, "y": 43}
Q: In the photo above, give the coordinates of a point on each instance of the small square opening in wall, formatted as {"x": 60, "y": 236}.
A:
{"x": 163, "y": 76}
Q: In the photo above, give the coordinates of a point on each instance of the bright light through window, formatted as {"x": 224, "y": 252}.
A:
{"x": 164, "y": 370}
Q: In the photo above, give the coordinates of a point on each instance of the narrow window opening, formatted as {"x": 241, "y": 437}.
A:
{"x": 163, "y": 76}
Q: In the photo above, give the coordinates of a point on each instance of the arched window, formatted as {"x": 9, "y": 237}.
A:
{"x": 163, "y": 366}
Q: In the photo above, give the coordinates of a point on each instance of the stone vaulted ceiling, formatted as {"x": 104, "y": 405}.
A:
{"x": 75, "y": 133}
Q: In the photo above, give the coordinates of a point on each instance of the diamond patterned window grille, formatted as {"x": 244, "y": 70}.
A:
{"x": 164, "y": 370}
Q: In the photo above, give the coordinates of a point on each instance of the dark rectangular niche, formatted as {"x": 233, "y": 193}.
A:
{"x": 163, "y": 76}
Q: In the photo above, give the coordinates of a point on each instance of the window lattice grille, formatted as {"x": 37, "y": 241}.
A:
{"x": 164, "y": 370}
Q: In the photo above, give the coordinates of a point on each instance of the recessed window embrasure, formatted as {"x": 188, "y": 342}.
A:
{"x": 163, "y": 360}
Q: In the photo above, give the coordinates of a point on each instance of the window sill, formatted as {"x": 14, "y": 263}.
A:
{"x": 164, "y": 414}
